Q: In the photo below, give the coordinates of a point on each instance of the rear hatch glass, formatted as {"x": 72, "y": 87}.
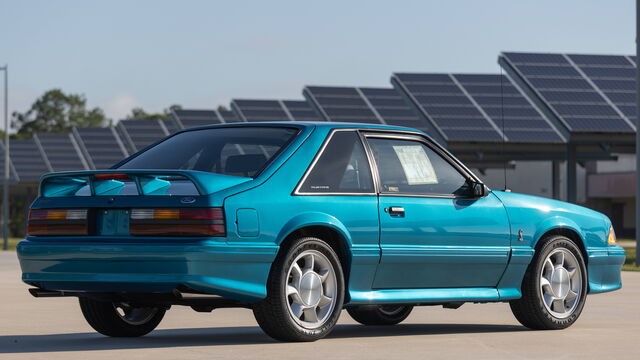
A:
{"x": 239, "y": 151}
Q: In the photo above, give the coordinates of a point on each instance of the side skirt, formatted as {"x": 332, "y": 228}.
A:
{"x": 425, "y": 296}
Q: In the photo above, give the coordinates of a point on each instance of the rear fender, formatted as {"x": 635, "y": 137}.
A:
{"x": 314, "y": 219}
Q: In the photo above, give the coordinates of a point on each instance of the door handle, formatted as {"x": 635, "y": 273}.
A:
{"x": 395, "y": 210}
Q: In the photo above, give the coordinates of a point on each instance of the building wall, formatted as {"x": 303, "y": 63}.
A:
{"x": 534, "y": 178}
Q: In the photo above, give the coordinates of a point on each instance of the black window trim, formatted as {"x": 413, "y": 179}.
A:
{"x": 396, "y": 135}
{"x": 327, "y": 140}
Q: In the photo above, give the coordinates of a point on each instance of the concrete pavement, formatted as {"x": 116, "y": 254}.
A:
{"x": 33, "y": 328}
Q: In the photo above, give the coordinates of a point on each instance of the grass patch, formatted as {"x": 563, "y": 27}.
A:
{"x": 12, "y": 243}
{"x": 630, "y": 261}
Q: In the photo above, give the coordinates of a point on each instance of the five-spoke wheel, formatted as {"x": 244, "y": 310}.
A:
{"x": 560, "y": 283}
{"x": 311, "y": 289}
{"x": 305, "y": 292}
{"x": 554, "y": 287}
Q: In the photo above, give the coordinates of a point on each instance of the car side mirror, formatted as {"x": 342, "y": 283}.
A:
{"x": 479, "y": 190}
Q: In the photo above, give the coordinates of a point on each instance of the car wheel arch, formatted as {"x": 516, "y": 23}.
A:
{"x": 567, "y": 232}
{"x": 334, "y": 237}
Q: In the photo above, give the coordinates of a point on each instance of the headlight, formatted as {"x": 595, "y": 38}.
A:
{"x": 611, "y": 240}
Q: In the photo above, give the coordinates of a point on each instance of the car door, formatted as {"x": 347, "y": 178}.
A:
{"x": 433, "y": 233}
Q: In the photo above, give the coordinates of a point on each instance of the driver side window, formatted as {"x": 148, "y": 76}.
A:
{"x": 411, "y": 167}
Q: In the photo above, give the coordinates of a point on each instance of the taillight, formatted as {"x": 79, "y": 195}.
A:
{"x": 177, "y": 222}
{"x": 58, "y": 222}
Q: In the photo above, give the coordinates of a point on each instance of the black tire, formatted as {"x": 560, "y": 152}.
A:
{"x": 105, "y": 319}
{"x": 380, "y": 314}
{"x": 530, "y": 309}
{"x": 273, "y": 314}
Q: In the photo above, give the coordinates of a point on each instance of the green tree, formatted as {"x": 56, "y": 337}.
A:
{"x": 139, "y": 113}
{"x": 57, "y": 112}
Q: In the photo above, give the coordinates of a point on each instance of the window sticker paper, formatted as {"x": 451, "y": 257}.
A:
{"x": 416, "y": 164}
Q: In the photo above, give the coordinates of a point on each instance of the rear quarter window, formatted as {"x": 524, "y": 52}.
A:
{"x": 341, "y": 168}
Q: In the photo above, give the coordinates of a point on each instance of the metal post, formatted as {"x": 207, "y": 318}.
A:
{"x": 637, "y": 137}
{"x": 572, "y": 176}
{"x": 555, "y": 179}
{"x": 5, "y": 187}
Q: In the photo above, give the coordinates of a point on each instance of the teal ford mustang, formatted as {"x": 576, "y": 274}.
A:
{"x": 297, "y": 221}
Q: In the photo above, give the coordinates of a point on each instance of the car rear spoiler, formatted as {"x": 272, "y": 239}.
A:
{"x": 135, "y": 182}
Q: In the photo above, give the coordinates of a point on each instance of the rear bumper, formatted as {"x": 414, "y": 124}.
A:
{"x": 234, "y": 271}
{"x": 605, "y": 266}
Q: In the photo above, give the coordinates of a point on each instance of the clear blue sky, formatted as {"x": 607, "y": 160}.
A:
{"x": 200, "y": 54}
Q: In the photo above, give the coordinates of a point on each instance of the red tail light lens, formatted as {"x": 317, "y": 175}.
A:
{"x": 58, "y": 222}
{"x": 111, "y": 176}
{"x": 177, "y": 222}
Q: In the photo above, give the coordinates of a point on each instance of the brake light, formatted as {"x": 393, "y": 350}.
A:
{"x": 109, "y": 176}
{"x": 58, "y": 222}
{"x": 177, "y": 222}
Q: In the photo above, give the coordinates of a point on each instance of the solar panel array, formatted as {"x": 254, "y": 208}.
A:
{"x": 501, "y": 101}
{"x": 587, "y": 93}
{"x": 615, "y": 77}
{"x": 27, "y": 160}
{"x": 443, "y": 103}
{"x": 138, "y": 134}
{"x": 300, "y": 110}
{"x": 273, "y": 110}
{"x": 473, "y": 107}
{"x": 228, "y": 116}
{"x": 392, "y": 108}
{"x": 101, "y": 147}
{"x": 260, "y": 110}
{"x": 170, "y": 125}
{"x": 61, "y": 151}
{"x": 192, "y": 118}
{"x": 341, "y": 104}
{"x": 544, "y": 99}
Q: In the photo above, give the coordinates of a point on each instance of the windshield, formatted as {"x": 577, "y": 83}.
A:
{"x": 238, "y": 151}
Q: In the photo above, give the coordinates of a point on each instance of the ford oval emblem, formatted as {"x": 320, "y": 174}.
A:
{"x": 188, "y": 200}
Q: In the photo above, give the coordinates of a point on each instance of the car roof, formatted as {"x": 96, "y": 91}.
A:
{"x": 306, "y": 124}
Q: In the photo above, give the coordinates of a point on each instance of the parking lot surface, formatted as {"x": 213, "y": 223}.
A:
{"x": 33, "y": 328}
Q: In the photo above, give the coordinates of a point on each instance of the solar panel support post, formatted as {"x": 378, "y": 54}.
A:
{"x": 572, "y": 177}
{"x": 637, "y": 136}
{"x": 555, "y": 179}
{"x": 5, "y": 186}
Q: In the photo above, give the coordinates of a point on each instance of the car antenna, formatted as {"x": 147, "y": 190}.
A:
{"x": 504, "y": 139}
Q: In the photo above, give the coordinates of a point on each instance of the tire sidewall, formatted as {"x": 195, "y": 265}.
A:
{"x": 548, "y": 247}
{"x": 373, "y": 315}
{"x": 397, "y": 317}
{"x": 103, "y": 317}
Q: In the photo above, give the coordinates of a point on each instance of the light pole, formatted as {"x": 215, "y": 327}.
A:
{"x": 637, "y": 135}
{"x": 7, "y": 174}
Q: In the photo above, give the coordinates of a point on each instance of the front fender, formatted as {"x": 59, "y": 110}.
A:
{"x": 314, "y": 219}
{"x": 556, "y": 222}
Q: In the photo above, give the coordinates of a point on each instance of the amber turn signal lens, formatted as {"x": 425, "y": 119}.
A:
{"x": 611, "y": 240}
{"x": 177, "y": 222}
{"x": 57, "y": 222}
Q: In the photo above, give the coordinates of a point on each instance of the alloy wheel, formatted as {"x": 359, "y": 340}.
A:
{"x": 561, "y": 283}
{"x": 311, "y": 289}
